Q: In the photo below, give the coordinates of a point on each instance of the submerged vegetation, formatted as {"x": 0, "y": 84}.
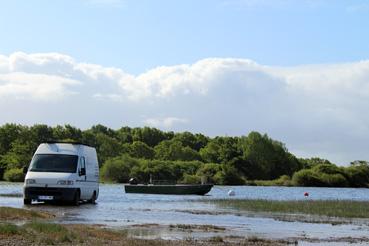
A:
{"x": 8, "y": 213}
{"x": 255, "y": 159}
{"x": 330, "y": 208}
{"x": 43, "y": 233}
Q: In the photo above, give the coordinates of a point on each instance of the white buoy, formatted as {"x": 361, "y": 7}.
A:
{"x": 231, "y": 193}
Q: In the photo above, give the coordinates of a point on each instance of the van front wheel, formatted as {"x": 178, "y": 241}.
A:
{"x": 93, "y": 198}
{"x": 77, "y": 197}
{"x": 27, "y": 201}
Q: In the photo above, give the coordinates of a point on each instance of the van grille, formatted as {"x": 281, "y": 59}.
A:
{"x": 41, "y": 191}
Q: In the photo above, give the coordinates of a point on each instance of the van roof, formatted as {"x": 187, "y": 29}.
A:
{"x": 68, "y": 142}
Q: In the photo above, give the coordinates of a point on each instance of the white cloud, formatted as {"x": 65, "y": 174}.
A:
{"x": 163, "y": 82}
{"x": 34, "y": 86}
{"x": 317, "y": 109}
{"x": 166, "y": 122}
{"x": 52, "y": 76}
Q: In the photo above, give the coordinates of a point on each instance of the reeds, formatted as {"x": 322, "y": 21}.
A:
{"x": 330, "y": 208}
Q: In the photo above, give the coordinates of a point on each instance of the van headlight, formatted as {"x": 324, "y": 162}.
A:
{"x": 30, "y": 181}
{"x": 65, "y": 182}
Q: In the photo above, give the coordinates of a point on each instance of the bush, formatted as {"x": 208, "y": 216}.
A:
{"x": 118, "y": 169}
{"x": 209, "y": 171}
{"x": 306, "y": 177}
{"x": 14, "y": 175}
{"x": 228, "y": 176}
{"x": 141, "y": 150}
{"x": 310, "y": 177}
{"x": 283, "y": 180}
{"x": 190, "y": 179}
{"x": 358, "y": 175}
{"x": 326, "y": 168}
{"x": 334, "y": 180}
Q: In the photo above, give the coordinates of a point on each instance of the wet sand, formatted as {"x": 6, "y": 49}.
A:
{"x": 186, "y": 217}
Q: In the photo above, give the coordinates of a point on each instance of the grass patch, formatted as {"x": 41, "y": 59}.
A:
{"x": 216, "y": 239}
{"x": 9, "y": 229}
{"x": 42, "y": 233}
{"x": 8, "y": 213}
{"x": 330, "y": 208}
{"x": 197, "y": 227}
{"x": 45, "y": 227}
{"x": 50, "y": 233}
{"x": 96, "y": 232}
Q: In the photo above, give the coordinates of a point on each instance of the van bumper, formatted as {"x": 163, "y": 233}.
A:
{"x": 57, "y": 194}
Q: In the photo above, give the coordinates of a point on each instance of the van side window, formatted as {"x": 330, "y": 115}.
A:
{"x": 83, "y": 166}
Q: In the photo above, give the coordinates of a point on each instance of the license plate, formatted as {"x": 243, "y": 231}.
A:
{"x": 45, "y": 197}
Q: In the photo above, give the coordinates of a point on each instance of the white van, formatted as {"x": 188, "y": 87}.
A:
{"x": 62, "y": 172}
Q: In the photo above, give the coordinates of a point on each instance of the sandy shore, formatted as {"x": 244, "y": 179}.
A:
{"x": 30, "y": 227}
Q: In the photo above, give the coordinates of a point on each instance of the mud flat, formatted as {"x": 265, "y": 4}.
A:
{"x": 29, "y": 227}
{"x": 216, "y": 218}
{"x": 38, "y": 228}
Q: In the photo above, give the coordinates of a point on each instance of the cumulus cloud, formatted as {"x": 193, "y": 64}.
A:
{"x": 166, "y": 122}
{"x": 315, "y": 109}
{"x": 52, "y": 76}
{"x": 34, "y": 86}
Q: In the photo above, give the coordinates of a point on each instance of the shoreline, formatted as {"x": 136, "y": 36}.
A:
{"x": 252, "y": 183}
{"x": 30, "y": 227}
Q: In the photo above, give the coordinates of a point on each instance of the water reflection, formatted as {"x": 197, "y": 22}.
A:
{"x": 114, "y": 208}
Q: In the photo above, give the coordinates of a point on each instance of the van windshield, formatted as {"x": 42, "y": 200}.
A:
{"x": 54, "y": 163}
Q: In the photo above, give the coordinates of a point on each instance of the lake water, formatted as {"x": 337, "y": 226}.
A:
{"x": 117, "y": 209}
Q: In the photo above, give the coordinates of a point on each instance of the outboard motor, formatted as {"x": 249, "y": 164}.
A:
{"x": 133, "y": 181}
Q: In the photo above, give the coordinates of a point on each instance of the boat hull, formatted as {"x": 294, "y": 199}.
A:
{"x": 169, "y": 189}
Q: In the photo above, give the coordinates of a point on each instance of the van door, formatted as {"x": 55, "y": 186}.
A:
{"x": 82, "y": 178}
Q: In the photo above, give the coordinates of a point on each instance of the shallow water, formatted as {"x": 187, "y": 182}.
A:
{"x": 117, "y": 209}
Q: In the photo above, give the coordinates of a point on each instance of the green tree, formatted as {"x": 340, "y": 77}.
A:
{"x": 8, "y": 134}
{"x": 69, "y": 132}
{"x": 103, "y": 130}
{"x": 221, "y": 150}
{"x": 40, "y": 133}
{"x": 271, "y": 157}
{"x": 150, "y": 136}
{"x": 124, "y": 135}
{"x": 358, "y": 174}
{"x": 174, "y": 150}
{"x": 139, "y": 149}
{"x": 209, "y": 170}
{"x": 107, "y": 147}
{"x": 229, "y": 175}
{"x": 194, "y": 141}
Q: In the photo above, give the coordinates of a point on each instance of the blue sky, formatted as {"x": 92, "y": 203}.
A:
{"x": 296, "y": 70}
{"x": 140, "y": 35}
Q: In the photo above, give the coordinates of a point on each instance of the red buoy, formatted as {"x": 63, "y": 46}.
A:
{"x": 306, "y": 194}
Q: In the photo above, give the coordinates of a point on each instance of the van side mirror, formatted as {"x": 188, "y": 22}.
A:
{"x": 82, "y": 171}
{"x": 25, "y": 170}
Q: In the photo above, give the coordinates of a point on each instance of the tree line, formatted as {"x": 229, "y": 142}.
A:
{"x": 182, "y": 157}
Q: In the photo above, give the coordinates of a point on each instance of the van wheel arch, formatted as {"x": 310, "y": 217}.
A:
{"x": 77, "y": 197}
{"x": 27, "y": 201}
{"x": 93, "y": 197}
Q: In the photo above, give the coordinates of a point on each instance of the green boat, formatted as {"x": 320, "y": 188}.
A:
{"x": 169, "y": 189}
